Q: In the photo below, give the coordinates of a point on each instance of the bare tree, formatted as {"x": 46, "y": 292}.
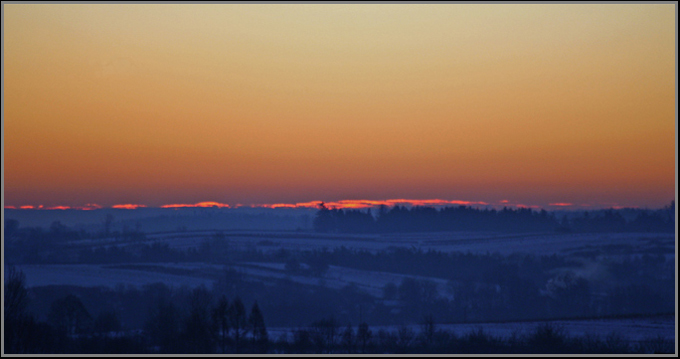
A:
{"x": 220, "y": 318}
{"x": 323, "y": 333}
{"x": 69, "y": 314}
{"x": 364, "y": 335}
{"x": 16, "y": 300}
{"x": 405, "y": 337}
{"x": 348, "y": 339}
{"x": 258, "y": 328}
{"x": 197, "y": 327}
{"x": 163, "y": 325}
{"x": 16, "y": 295}
{"x": 239, "y": 321}
{"x": 428, "y": 329}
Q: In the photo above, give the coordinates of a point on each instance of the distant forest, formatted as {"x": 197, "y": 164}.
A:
{"x": 464, "y": 218}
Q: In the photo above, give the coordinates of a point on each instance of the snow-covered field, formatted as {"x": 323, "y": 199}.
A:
{"x": 371, "y": 282}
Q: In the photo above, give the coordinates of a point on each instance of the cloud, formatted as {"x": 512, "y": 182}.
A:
{"x": 200, "y": 204}
{"x": 366, "y": 203}
{"x": 128, "y": 206}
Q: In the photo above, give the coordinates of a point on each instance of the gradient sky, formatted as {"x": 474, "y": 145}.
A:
{"x": 160, "y": 104}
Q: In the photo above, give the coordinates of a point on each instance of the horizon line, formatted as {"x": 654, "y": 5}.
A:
{"x": 341, "y": 204}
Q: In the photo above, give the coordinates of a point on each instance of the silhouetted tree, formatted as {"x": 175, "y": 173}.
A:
{"x": 238, "y": 321}
{"x": 16, "y": 295}
{"x": 548, "y": 338}
{"x": 416, "y": 295}
{"x": 364, "y": 335}
{"x": 302, "y": 341}
{"x": 428, "y": 329}
{"x": 107, "y": 321}
{"x": 258, "y": 328}
{"x": 405, "y": 336}
{"x": 324, "y": 221}
{"x": 220, "y": 318}
{"x": 197, "y": 327}
{"x": 15, "y": 319}
{"x": 348, "y": 339}
{"x": 69, "y": 314}
{"x": 163, "y": 326}
{"x": 323, "y": 334}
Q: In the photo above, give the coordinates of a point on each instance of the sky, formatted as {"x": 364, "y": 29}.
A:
{"x": 541, "y": 105}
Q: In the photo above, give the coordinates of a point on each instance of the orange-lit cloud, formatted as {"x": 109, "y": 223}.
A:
{"x": 341, "y": 204}
{"x": 280, "y": 205}
{"x": 365, "y": 203}
{"x": 128, "y": 206}
{"x": 200, "y": 204}
{"x": 312, "y": 204}
{"x": 89, "y": 207}
{"x": 59, "y": 207}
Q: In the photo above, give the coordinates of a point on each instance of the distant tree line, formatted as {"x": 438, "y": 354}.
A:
{"x": 465, "y": 218}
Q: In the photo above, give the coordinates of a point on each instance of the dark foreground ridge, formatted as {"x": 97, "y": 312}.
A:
{"x": 197, "y": 322}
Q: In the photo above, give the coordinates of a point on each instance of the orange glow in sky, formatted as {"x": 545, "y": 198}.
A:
{"x": 284, "y": 104}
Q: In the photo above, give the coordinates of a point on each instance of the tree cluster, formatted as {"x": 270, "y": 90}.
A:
{"x": 200, "y": 326}
{"x": 465, "y": 218}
